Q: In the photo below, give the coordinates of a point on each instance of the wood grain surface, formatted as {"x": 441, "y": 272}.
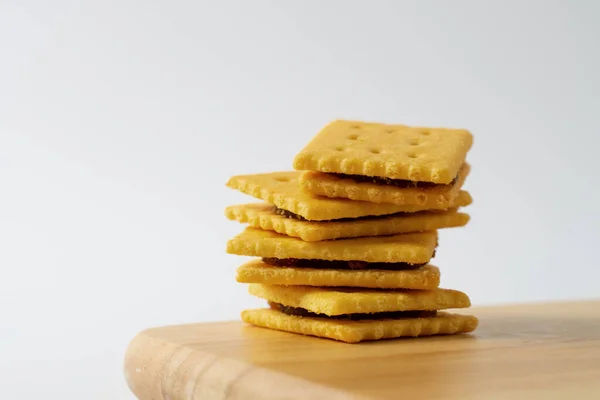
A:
{"x": 534, "y": 351}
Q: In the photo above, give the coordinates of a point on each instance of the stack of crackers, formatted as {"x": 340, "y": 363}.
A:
{"x": 343, "y": 243}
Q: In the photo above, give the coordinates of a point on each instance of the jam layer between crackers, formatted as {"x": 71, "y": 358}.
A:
{"x": 268, "y": 217}
{"x": 433, "y": 197}
{"x": 282, "y": 189}
{"x": 337, "y": 301}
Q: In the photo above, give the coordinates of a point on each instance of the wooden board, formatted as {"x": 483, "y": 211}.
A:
{"x": 542, "y": 351}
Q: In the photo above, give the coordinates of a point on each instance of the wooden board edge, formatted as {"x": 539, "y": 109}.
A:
{"x": 156, "y": 369}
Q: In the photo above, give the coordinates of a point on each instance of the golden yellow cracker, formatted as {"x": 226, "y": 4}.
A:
{"x": 335, "y": 186}
{"x": 263, "y": 216}
{"x": 339, "y": 301}
{"x": 283, "y": 190}
{"x": 390, "y": 151}
{"x": 256, "y": 271}
{"x": 412, "y": 248}
{"x": 357, "y": 331}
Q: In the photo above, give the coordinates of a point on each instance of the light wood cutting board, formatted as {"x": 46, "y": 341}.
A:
{"x": 540, "y": 351}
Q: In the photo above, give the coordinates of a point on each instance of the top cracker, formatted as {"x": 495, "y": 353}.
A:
{"x": 387, "y": 151}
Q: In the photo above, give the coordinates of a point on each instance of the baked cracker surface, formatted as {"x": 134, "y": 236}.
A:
{"x": 263, "y": 216}
{"x": 334, "y": 186}
{"x": 364, "y": 330}
{"x": 392, "y": 151}
{"x": 412, "y": 248}
{"x": 338, "y": 301}
{"x": 282, "y": 189}
{"x": 256, "y": 271}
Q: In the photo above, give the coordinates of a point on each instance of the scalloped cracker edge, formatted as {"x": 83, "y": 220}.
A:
{"x": 365, "y": 330}
{"x": 339, "y": 301}
{"x": 256, "y": 271}
{"x": 263, "y": 216}
{"x": 282, "y": 189}
{"x": 412, "y": 248}
{"x": 437, "y": 197}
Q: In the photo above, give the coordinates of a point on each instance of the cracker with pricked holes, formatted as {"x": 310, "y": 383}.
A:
{"x": 256, "y": 271}
{"x": 335, "y": 186}
{"x": 356, "y": 331}
{"x": 283, "y": 190}
{"x": 389, "y": 151}
{"x": 411, "y": 248}
{"x": 338, "y": 301}
{"x": 263, "y": 216}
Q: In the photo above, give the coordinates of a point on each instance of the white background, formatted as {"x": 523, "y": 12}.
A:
{"x": 120, "y": 123}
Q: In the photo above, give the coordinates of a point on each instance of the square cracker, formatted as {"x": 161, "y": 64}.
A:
{"x": 256, "y": 271}
{"x": 339, "y": 301}
{"x": 263, "y": 216}
{"x": 282, "y": 189}
{"x": 357, "y": 331}
{"x": 389, "y": 151}
{"x": 334, "y": 186}
{"x": 412, "y": 248}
